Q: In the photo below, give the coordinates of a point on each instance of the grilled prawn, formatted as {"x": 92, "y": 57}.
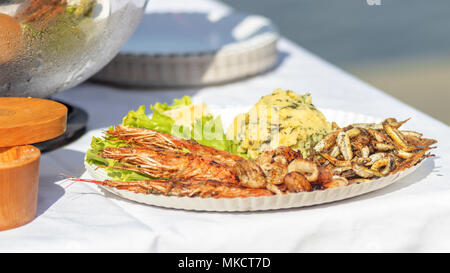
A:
{"x": 161, "y": 141}
{"x": 170, "y": 164}
{"x": 209, "y": 188}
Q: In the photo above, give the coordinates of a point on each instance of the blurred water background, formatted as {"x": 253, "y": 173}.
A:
{"x": 401, "y": 46}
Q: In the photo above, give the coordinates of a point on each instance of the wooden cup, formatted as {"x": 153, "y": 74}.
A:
{"x": 19, "y": 178}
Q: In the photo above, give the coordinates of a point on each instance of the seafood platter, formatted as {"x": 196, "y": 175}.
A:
{"x": 282, "y": 152}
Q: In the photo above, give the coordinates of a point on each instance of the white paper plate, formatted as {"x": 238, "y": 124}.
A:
{"x": 193, "y": 49}
{"x": 289, "y": 200}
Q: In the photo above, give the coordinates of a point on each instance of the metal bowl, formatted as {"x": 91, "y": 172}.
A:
{"x": 48, "y": 46}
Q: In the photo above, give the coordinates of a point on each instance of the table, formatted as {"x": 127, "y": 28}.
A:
{"x": 412, "y": 215}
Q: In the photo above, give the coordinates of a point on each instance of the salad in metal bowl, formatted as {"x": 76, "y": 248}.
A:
{"x": 47, "y": 46}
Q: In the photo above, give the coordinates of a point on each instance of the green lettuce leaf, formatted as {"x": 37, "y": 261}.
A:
{"x": 207, "y": 130}
{"x": 177, "y": 103}
{"x": 159, "y": 121}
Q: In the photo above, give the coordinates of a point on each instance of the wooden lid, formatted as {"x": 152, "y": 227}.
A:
{"x": 30, "y": 120}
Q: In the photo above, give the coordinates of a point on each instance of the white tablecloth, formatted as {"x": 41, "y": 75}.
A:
{"x": 411, "y": 215}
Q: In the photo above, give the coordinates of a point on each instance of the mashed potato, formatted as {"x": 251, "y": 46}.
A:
{"x": 283, "y": 118}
